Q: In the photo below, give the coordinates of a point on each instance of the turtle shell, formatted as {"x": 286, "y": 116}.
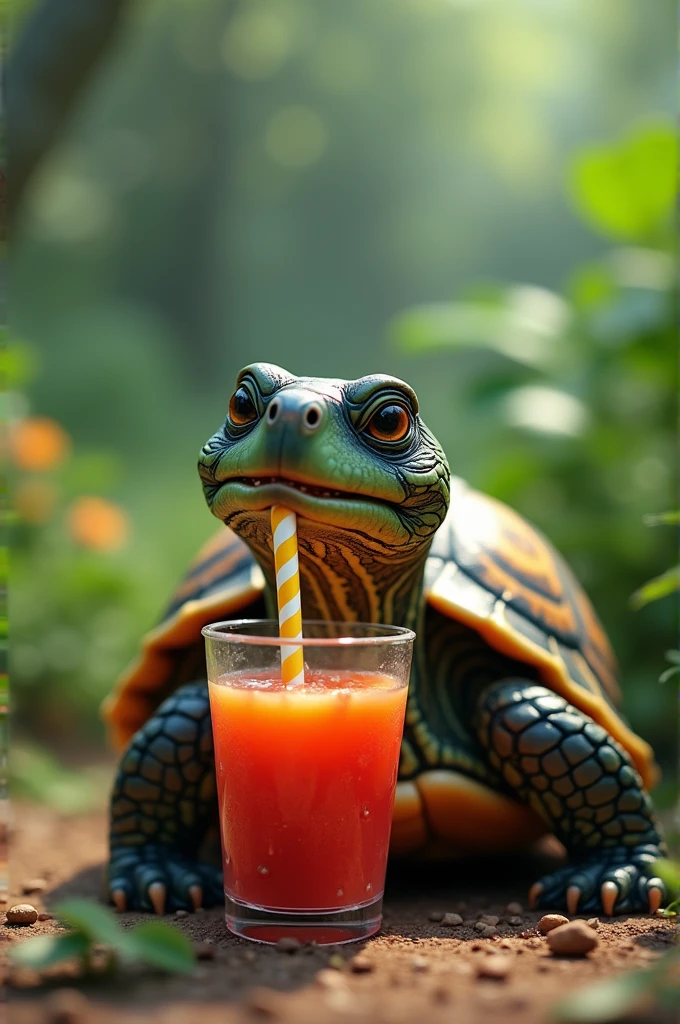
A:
{"x": 487, "y": 568}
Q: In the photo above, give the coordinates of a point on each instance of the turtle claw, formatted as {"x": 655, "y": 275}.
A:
{"x": 157, "y": 894}
{"x": 609, "y": 894}
{"x": 573, "y": 897}
{"x": 614, "y": 881}
{"x": 119, "y": 900}
{"x": 534, "y": 895}
{"x": 159, "y": 880}
{"x": 655, "y": 894}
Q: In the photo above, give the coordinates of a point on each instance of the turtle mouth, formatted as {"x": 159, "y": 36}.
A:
{"x": 312, "y": 490}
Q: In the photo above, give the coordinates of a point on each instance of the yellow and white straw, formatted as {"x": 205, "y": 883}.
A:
{"x": 284, "y": 531}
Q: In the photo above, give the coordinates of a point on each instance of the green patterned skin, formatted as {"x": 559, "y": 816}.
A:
{"x": 371, "y": 487}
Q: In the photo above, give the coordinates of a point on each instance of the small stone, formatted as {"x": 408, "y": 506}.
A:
{"x": 361, "y": 965}
{"x": 441, "y": 994}
{"x": 330, "y": 979}
{"x": 33, "y": 886}
{"x": 44, "y": 916}
{"x": 181, "y": 913}
{"x": 67, "y": 1006}
{"x": 262, "y": 1002}
{"x": 575, "y": 938}
{"x": 593, "y": 922}
{"x": 204, "y": 951}
{"x": 419, "y": 964}
{"x": 514, "y": 909}
{"x": 495, "y": 968}
{"x": 436, "y": 915}
{"x": 487, "y": 931}
{"x": 515, "y": 921}
{"x": 488, "y": 919}
{"x": 469, "y": 922}
{"x": 550, "y": 921}
{"x": 337, "y": 962}
{"x": 451, "y": 920}
{"x": 22, "y": 913}
{"x": 288, "y": 945}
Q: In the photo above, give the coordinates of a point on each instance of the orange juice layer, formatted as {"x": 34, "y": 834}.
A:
{"x": 306, "y": 781}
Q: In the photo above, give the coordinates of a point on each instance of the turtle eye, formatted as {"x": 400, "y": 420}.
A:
{"x": 241, "y": 408}
{"x": 389, "y": 423}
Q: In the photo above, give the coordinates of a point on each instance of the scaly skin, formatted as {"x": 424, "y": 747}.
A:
{"x": 368, "y": 507}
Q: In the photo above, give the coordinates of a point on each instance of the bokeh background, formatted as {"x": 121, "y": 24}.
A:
{"x": 474, "y": 195}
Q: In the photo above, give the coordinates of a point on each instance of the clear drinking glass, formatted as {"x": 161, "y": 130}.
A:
{"x": 306, "y": 775}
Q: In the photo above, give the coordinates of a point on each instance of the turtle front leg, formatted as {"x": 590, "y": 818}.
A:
{"x": 163, "y": 803}
{"x": 583, "y": 785}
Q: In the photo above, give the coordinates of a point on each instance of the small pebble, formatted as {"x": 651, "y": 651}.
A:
{"x": 550, "y": 921}
{"x": 488, "y": 919}
{"x": 22, "y": 913}
{"x": 330, "y": 979}
{"x": 288, "y": 945}
{"x": 451, "y": 920}
{"x": 436, "y": 915}
{"x": 204, "y": 951}
{"x": 33, "y": 886}
{"x": 44, "y": 916}
{"x": 67, "y": 1006}
{"x": 361, "y": 965}
{"x": 575, "y": 938}
{"x": 515, "y": 921}
{"x": 262, "y": 1002}
{"x": 419, "y": 964}
{"x": 514, "y": 909}
{"x": 487, "y": 931}
{"x": 181, "y": 913}
{"x": 496, "y": 968}
{"x": 593, "y": 922}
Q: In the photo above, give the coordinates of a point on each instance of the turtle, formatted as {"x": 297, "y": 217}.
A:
{"x": 512, "y": 727}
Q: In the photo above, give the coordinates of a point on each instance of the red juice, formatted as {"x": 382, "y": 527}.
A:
{"x": 306, "y": 780}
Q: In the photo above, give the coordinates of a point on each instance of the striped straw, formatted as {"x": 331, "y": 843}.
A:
{"x": 284, "y": 530}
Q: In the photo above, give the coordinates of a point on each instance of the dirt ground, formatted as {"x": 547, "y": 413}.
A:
{"x": 416, "y": 969}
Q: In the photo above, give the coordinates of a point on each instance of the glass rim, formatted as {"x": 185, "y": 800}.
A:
{"x": 392, "y": 634}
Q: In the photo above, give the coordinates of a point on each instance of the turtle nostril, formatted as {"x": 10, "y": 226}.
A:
{"x": 273, "y": 411}
{"x": 312, "y": 416}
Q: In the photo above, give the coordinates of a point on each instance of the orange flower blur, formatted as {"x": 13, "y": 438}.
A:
{"x": 38, "y": 444}
{"x": 98, "y": 524}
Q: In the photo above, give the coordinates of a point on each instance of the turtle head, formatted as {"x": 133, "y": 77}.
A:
{"x": 352, "y": 458}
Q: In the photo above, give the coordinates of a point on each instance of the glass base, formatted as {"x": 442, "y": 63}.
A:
{"x": 324, "y": 927}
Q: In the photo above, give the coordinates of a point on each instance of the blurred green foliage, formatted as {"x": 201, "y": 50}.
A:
{"x": 278, "y": 180}
{"x": 571, "y": 414}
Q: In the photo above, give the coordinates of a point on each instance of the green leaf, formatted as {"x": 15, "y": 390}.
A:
{"x": 95, "y": 922}
{"x": 662, "y": 518}
{"x": 46, "y": 950}
{"x": 669, "y": 673}
{"x": 627, "y": 190}
{"x": 669, "y": 872}
{"x": 605, "y": 1001}
{"x": 160, "y": 945}
{"x": 522, "y": 323}
{"x": 661, "y": 586}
